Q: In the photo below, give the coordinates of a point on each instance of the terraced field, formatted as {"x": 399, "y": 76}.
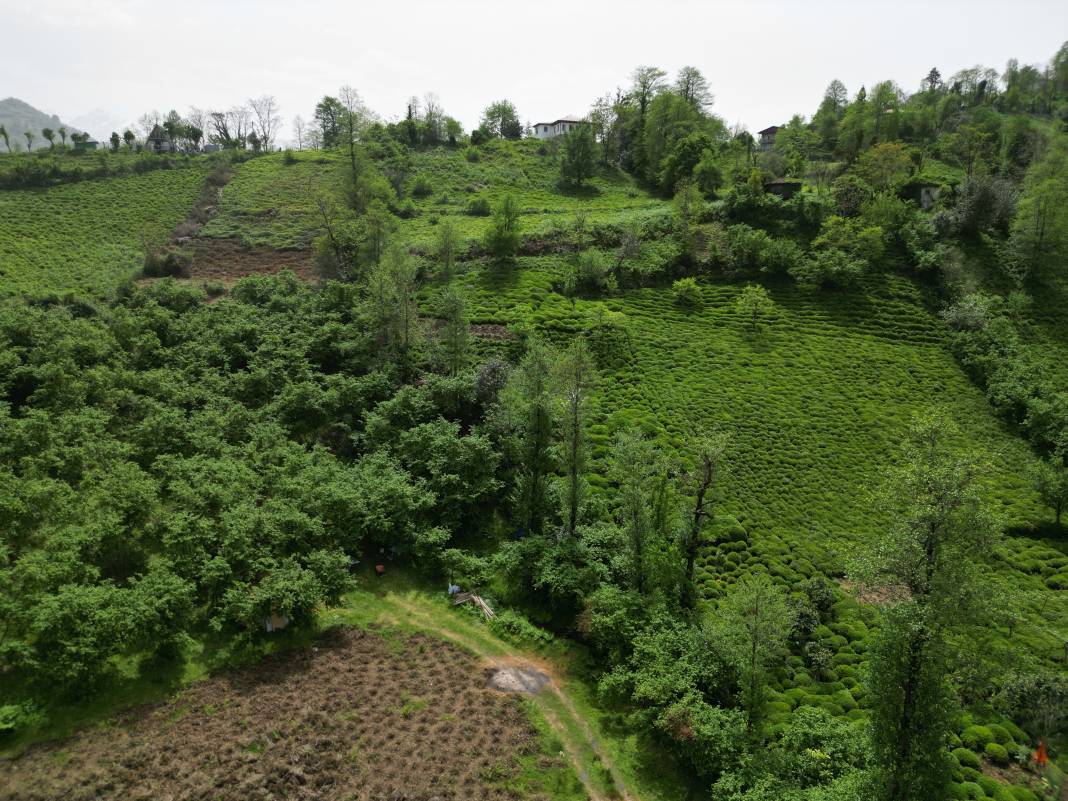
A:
{"x": 270, "y": 201}
{"x": 89, "y": 236}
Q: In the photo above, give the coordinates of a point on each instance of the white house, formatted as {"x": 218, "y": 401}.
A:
{"x": 547, "y": 130}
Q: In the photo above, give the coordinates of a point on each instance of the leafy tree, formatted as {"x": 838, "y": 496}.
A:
{"x": 755, "y": 624}
{"x": 529, "y": 408}
{"x": 128, "y": 137}
{"x": 970, "y": 147}
{"x": 754, "y": 304}
{"x": 576, "y": 377}
{"x": 115, "y": 141}
{"x": 576, "y": 166}
{"x": 1051, "y": 483}
{"x": 5, "y": 137}
{"x": 942, "y": 532}
{"x": 885, "y": 165}
{"x": 454, "y": 334}
{"x": 646, "y": 83}
{"x": 29, "y": 140}
{"x": 501, "y": 120}
{"x": 391, "y": 294}
{"x": 502, "y": 237}
{"x": 686, "y": 292}
{"x": 692, "y": 87}
{"x": 329, "y": 113}
{"x": 453, "y": 131}
{"x": 687, "y": 206}
{"x": 50, "y": 137}
{"x": 829, "y": 115}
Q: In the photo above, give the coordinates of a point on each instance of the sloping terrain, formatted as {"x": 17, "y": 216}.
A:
{"x": 90, "y": 236}
{"x": 362, "y": 715}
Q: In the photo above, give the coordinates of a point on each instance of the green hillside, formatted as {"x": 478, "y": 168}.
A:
{"x": 90, "y": 236}
{"x": 760, "y": 451}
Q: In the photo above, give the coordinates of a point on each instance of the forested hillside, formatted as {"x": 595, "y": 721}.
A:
{"x": 767, "y": 438}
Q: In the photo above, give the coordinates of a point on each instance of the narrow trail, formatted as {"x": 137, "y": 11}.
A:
{"x": 496, "y": 653}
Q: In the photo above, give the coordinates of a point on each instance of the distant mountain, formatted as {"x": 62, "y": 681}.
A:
{"x": 18, "y": 117}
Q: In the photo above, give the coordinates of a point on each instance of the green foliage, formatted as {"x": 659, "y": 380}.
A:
{"x": 515, "y": 628}
{"x": 996, "y": 753}
{"x": 754, "y": 305}
{"x": 577, "y": 161}
{"x": 502, "y": 238}
{"x": 755, "y": 623}
{"x": 967, "y": 758}
{"x": 686, "y": 292}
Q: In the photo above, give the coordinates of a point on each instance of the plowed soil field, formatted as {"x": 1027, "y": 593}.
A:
{"x": 364, "y": 715}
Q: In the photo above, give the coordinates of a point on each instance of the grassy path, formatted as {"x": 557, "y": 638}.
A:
{"x": 601, "y": 777}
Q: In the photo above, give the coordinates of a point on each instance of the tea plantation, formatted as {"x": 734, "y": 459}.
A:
{"x": 89, "y": 236}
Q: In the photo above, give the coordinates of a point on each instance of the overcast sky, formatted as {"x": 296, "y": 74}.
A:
{"x": 764, "y": 60}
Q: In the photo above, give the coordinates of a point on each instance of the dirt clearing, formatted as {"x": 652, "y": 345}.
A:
{"x": 227, "y": 261}
{"x": 517, "y": 680}
{"x": 375, "y": 716}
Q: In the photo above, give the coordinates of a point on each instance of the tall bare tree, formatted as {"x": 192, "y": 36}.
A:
{"x": 299, "y": 131}
{"x": 354, "y": 119}
{"x": 268, "y": 120}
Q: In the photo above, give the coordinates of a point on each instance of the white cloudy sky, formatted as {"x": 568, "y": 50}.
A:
{"x": 764, "y": 60}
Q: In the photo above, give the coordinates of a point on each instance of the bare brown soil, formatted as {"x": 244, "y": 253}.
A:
{"x": 886, "y": 595}
{"x": 363, "y": 716}
{"x": 227, "y": 261}
{"x": 489, "y": 331}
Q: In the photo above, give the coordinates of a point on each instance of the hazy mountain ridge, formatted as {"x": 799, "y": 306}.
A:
{"x": 18, "y": 117}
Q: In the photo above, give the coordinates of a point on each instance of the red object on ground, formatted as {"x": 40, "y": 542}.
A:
{"x": 380, "y": 569}
{"x": 1041, "y": 757}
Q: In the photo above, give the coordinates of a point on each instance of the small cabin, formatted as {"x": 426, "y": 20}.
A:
{"x": 86, "y": 144}
{"x": 782, "y": 187}
{"x": 158, "y": 141}
{"x": 550, "y": 130}
{"x": 211, "y": 147}
{"x": 767, "y": 137}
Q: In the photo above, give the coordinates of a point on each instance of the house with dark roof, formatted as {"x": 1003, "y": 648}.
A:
{"x": 767, "y": 137}
{"x": 785, "y": 188}
{"x": 549, "y": 130}
{"x": 158, "y": 141}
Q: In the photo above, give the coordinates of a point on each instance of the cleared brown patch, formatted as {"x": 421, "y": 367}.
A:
{"x": 876, "y": 596}
{"x": 362, "y": 716}
{"x": 492, "y": 331}
{"x": 227, "y": 261}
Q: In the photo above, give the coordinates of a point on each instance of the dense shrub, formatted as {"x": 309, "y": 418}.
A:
{"x": 828, "y": 267}
{"x": 996, "y": 753}
{"x": 479, "y": 207}
{"x": 515, "y": 628}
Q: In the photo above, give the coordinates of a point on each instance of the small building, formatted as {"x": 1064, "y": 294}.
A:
{"x": 86, "y": 144}
{"x": 550, "y": 130}
{"x": 158, "y": 141}
{"x": 782, "y": 187}
{"x": 767, "y": 137}
{"x": 211, "y": 147}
